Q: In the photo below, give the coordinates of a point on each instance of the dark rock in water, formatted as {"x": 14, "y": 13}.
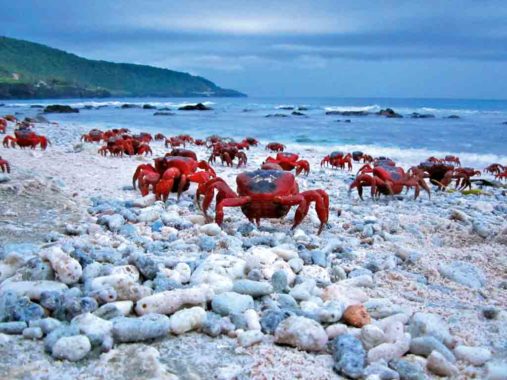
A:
{"x": 349, "y": 356}
{"x": 504, "y": 123}
{"x": 416, "y": 115}
{"x": 301, "y": 108}
{"x": 163, "y": 113}
{"x": 127, "y": 106}
{"x": 348, "y": 113}
{"x": 288, "y": 108}
{"x": 195, "y": 107}
{"x": 297, "y": 113}
{"x": 41, "y": 119}
{"x": 346, "y": 121}
{"x": 277, "y": 115}
{"x": 389, "y": 112}
{"x": 58, "y": 108}
{"x": 89, "y": 107}
{"x": 453, "y": 117}
{"x": 164, "y": 109}
{"x": 36, "y": 106}
{"x": 149, "y": 107}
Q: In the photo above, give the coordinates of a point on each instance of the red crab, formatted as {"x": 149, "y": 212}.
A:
{"x": 452, "y": 160}
{"x": 338, "y": 159}
{"x": 171, "y": 174}
{"x": 264, "y": 194}
{"x": 95, "y": 135}
{"x": 251, "y": 141}
{"x": 387, "y": 180}
{"x": 182, "y": 153}
{"x": 11, "y": 118}
{"x": 441, "y": 174}
{"x": 501, "y": 175}
{"x": 289, "y": 161}
{"x": 26, "y": 138}
{"x": 4, "y": 165}
{"x": 494, "y": 169}
{"x": 159, "y": 137}
{"x": 227, "y": 153}
{"x": 174, "y": 142}
{"x": 275, "y": 147}
{"x": 3, "y": 125}
{"x": 199, "y": 142}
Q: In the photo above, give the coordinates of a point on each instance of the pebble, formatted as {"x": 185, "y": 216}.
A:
{"x": 33, "y": 333}
{"x": 476, "y": 356}
{"x": 72, "y": 348}
{"x": 390, "y": 351}
{"x": 253, "y": 288}
{"x": 49, "y": 324}
{"x": 4, "y": 178}
{"x": 56, "y": 334}
{"x": 372, "y": 336}
{"x": 496, "y": 370}
{"x": 356, "y": 315}
{"x": 407, "y": 370}
{"x": 187, "y": 320}
{"x": 271, "y": 319}
{"x": 425, "y": 345}
{"x": 25, "y": 310}
{"x": 13, "y": 328}
{"x": 439, "y": 365}
{"x": 147, "y": 327}
{"x": 349, "y": 356}
{"x": 279, "y": 281}
{"x": 381, "y": 372}
{"x": 231, "y": 302}
{"x": 463, "y": 273}
{"x": 211, "y": 229}
{"x": 430, "y": 324}
{"x": 301, "y": 332}
{"x": 249, "y": 338}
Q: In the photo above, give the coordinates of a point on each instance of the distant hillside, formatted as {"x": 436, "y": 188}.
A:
{"x": 30, "y": 70}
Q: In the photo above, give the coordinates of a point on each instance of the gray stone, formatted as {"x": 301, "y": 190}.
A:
{"x": 279, "y": 281}
{"x": 149, "y": 326}
{"x": 380, "y": 261}
{"x": 319, "y": 258}
{"x": 14, "y": 328}
{"x": 422, "y": 324}
{"x": 331, "y": 312}
{"x": 231, "y": 302}
{"x": 381, "y": 372}
{"x": 59, "y": 332}
{"x": 49, "y": 324}
{"x": 438, "y": 364}
{"x": 4, "y": 178}
{"x": 425, "y": 345}
{"x": 33, "y": 333}
{"x": 211, "y": 325}
{"x": 115, "y": 222}
{"x": 252, "y": 288}
{"x": 407, "y": 370}
{"x": 72, "y": 348}
{"x": 239, "y": 321}
{"x": 474, "y": 355}
{"x": 349, "y": 356}
{"x": 463, "y": 273}
{"x": 271, "y": 319}
{"x": 36, "y": 269}
{"x": 303, "y": 333}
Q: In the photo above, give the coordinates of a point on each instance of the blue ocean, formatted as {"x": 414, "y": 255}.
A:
{"x": 477, "y": 132}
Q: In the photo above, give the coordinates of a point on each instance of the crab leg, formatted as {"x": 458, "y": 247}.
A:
{"x": 229, "y": 202}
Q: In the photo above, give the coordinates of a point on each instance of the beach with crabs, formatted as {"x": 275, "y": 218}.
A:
{"x": 97, "y": 281}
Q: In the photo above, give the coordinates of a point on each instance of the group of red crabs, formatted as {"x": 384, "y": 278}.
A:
{"x": 268, "y": 192}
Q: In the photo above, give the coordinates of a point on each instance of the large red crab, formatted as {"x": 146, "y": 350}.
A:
{"x": 289, "y": 161}
{"x": 387, "y": 180}
{"x": 264, "y": 194}
{"x": 275, "y": 147}
{"x": 4, "y": 165}
{"x": 452, "y": 160}
{"x": 25, "y": 138}
{"x": 501, "y": 175}
{"x": 441, "y": 174}
{"x": 338, "y": 159}
{"x": 171, "y": 174}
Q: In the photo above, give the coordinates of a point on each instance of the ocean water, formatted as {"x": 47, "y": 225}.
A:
{"x": 478, "y": 136}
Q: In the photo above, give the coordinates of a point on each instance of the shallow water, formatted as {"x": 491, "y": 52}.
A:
{"x": 479, "y": 136}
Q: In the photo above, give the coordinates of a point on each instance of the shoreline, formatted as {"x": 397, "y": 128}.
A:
{"x": 389, "y": 252}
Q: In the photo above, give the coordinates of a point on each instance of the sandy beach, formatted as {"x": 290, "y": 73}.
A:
{"x": 430, "y": 274}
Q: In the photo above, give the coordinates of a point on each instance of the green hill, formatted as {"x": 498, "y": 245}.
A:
{"x": 31, "y": 70}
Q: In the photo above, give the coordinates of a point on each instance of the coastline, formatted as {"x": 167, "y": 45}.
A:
{"x": 396, "y": 247}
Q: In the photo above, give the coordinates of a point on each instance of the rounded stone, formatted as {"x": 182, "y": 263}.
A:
{"x": 72, "y": 348}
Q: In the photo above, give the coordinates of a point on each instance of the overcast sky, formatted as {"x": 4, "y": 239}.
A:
{"x": 289, "y": 48}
